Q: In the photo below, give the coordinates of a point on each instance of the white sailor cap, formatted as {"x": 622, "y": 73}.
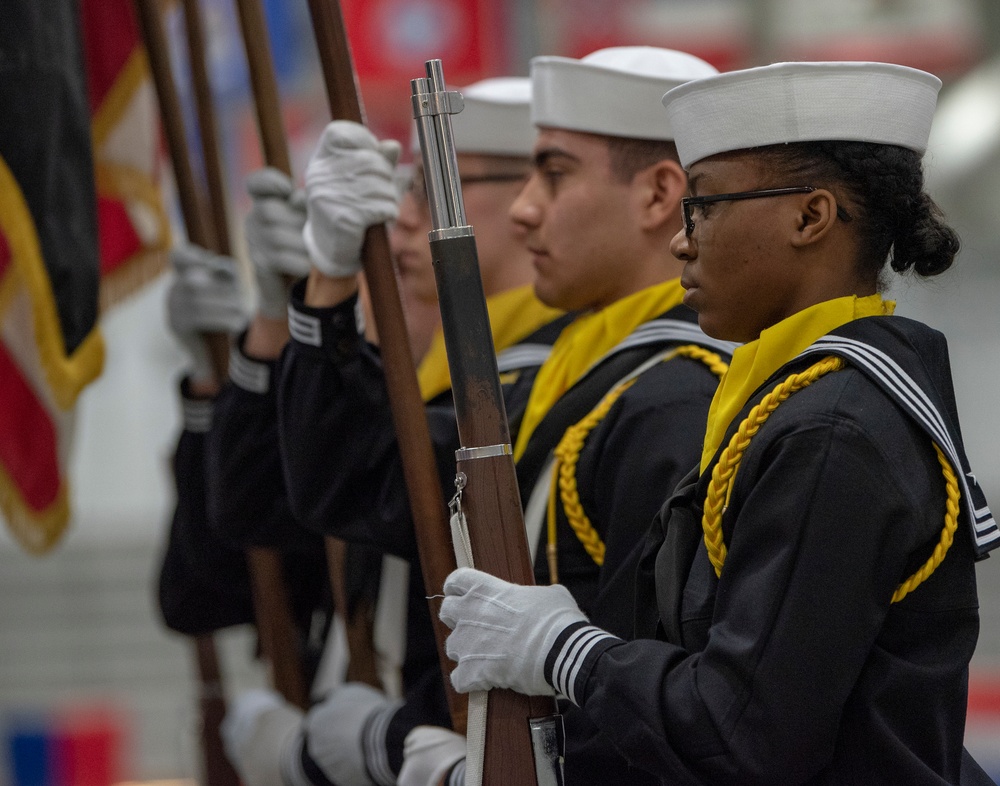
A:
{"x": 496, "y": 120}
{"x": 614, "y": 91}
{"x": 802, "y": 102}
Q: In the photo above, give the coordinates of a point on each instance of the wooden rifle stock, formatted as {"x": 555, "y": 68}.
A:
{"x": 437, "y": 558}
{"x": 218, "y": 771}
{"x": 362, "y": 664}
{"x": 486, "y": 480}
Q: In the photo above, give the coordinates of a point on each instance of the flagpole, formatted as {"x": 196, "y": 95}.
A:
{"x": 362, "y": 666}
{"x": 212, "y": 701}
{"x": 208, "y": 127}
{"x": 437, "y": 557}
{"x": 192, "y": 207}
{"x": 272, "y": 605}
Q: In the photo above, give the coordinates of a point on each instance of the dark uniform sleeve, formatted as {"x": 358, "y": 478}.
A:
{"x": 342, "y": 465}
{"x": 247, "y": 501}
{"x": 825, "y": 520}
{"x": 203, "y": 584}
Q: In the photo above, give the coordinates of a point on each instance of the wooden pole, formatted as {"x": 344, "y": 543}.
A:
{"x": 272, "y": 605}
{"x": 208, "y": 127}
{"x": 437, "y": 558}
{"x": 265, "y": 87}
{"x": 212, "y": 704}
{"x": 218, "y": 771}
{"x": 192, "y": 206}
{"x": 360, "y": 625}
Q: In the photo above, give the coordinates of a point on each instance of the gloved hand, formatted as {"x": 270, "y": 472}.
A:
{"x": 350, "y": 187}
{"x": 204, "y": 297}
{"x": 334, "y": 728}
{"x": 258, "y": 729}
{"x": 502, "y": 632}
{"x": 274, "y": 238}
{"x": 430, "y": 753}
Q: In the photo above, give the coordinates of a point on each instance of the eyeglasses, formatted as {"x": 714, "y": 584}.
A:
{"x": 418, "y": 188}
{"x": 687, "y": 203}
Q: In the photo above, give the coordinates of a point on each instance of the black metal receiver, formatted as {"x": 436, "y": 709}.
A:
{"x": 520, "y": 736}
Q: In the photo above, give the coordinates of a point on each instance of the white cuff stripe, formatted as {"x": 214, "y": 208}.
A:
{"x": 291, "y": 762}
{"x": 571, "y": 658}
{"x": 457, "y": 775}
{"x": 304, "y": 328}
{"x": 375, "y": 752}
{"x": 197, "y": 415}
{"x": 248, "y": 374}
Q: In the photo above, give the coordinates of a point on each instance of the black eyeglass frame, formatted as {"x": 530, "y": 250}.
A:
{"x": 693, "y": 201}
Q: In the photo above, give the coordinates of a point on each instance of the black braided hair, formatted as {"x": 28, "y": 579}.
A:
{"x": 882, "y": 188}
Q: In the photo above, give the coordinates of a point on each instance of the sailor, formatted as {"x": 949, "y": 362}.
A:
{"x": 339, "y": 454}
{"x": 806, "y": 602}
{"x": 616, "y": 415}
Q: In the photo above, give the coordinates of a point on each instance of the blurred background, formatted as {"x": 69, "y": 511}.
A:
{"x": 81, "y": 642}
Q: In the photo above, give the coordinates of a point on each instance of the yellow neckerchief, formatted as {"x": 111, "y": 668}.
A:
{"x": 584, "y": 342}
{"x": 514, "y": 315}
{"x": 757, "y": 360}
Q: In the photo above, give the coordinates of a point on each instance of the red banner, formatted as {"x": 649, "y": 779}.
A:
{"x": 391, "y": 40}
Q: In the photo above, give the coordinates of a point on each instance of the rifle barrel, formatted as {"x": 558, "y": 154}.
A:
{"x": 486, "y": 479}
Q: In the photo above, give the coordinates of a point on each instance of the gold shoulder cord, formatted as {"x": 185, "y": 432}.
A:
{"x": 725, "y": 470}
{"x": 567, "y": 453}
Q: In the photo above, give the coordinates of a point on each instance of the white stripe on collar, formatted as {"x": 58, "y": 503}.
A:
{"x": 920, "y": 406}
{"x": 657, "y": 331}
{"x": 523, "y": 356}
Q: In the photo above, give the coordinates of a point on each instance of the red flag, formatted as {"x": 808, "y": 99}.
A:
{"x": 133, "y": 228}
{"x": 50, "y": 348}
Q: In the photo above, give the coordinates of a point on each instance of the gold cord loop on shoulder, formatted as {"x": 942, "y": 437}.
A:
{"x": 567, "y": 454}
{"x": 724, "y": 472}
{"x": 947, "y": 533}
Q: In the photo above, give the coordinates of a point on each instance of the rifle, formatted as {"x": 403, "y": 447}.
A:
{"x": 521, "y": 737}
{"x": 359, "y": 627}
{"x": 212, "y": 701}
{"x": 437, "y": 558}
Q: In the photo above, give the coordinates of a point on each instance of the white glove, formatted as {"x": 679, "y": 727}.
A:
{"x": 274, "y": 238}
{"x": 204, "y": 297}
{"x": 258, "y": 728}
{"x": 502, "y": 632}
{"x": 350, "y": 187}
{"x": 429, "y": 754}
{"x": 334, "y": 728}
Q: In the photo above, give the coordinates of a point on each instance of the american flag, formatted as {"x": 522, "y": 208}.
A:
{"x": 72, "y": 206}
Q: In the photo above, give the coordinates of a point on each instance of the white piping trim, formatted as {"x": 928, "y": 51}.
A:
{"x": 522, "y": 356}
{"x": 896, "y": 379}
